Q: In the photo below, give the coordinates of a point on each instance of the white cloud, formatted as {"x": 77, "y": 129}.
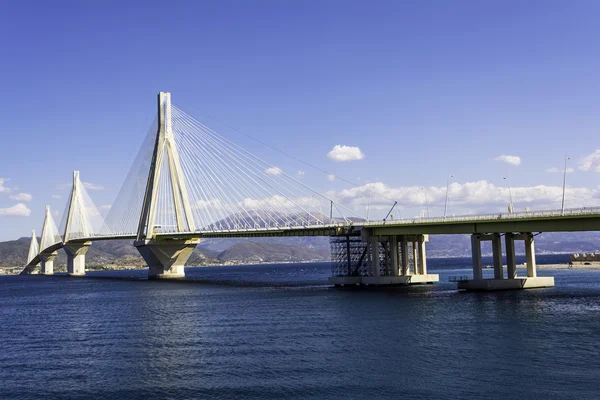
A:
{"x": 105, "y": 207}
{"x": 591, "y": 162}
{"x": 465, "y": 198}
{"x": 56, "y": 196}
{"x": 212, "y": 204}
{"x": 554, "y": 170}
{"x": 87, "y": 185}
{"x": 273, "y": 171}
{"x": 279, "y": 202}
{"x": 300, "y": 173}
{"x": 92, "y": 186}
{"x": 4, "y": 189}
{"x": 19, "y": 209}
{"x": 345, "y": 153}
{"x": 512, "y": 160}
{"x": 26, "y": 197}
{"x": 331, "y": 177}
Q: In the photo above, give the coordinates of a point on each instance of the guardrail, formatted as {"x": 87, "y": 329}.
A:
{"x": 490, "y": 217}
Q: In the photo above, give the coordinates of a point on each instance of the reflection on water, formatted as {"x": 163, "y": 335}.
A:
{"x": 278, "y": 331}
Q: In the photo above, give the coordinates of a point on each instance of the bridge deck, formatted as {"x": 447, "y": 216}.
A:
{"x": 571, "y": 220}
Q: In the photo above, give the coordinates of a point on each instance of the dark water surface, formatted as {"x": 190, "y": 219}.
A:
{"x": 278, "y": 331}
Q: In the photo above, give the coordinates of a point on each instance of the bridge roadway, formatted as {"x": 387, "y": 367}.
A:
{"x": 569, "y": 220}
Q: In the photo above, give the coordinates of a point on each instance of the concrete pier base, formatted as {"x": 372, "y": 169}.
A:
{"x": 506, "y": 284}
{"x": 512, "y": 281}
{"x": 47, "y": 263}
{"x": 76, "y": 258}
{"x": 384, "y": 280}
{"x": 166, "y": 258}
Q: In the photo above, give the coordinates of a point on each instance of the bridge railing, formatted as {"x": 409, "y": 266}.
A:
{"x": 489, "y": 217}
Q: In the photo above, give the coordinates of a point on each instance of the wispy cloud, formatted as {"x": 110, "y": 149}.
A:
{"x": 511, "y": 160}
{"x": 345, "y": 153}
{"x": 19, "y": 210}
{"x": 56, "y": 196}
{"x": 22, "y": 197}
{"x": 92, "y": 186}
{"x": 273, "y": 171}
{"x": 87, "y": 185}
{"x": 331, "y": 177}
{"x": 300, "y": 173}
{"x": 4, "y": 189}
{"x": 555, "y": 170}
{"x": 591, "y": 162}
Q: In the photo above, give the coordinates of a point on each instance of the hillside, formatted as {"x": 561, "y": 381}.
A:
{"x": 270, "y": 252}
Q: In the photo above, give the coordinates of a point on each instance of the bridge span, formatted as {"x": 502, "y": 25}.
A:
{"x": 188, "y": 184}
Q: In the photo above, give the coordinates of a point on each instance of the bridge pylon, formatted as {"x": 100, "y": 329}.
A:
{"x": 49, "y": 238}
{"x": 77, "y": 219}
{"x": 34, "y": 248}
{"x": 165, "y": 258}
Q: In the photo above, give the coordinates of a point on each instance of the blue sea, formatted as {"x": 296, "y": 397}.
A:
{"x": 280, "y": 331}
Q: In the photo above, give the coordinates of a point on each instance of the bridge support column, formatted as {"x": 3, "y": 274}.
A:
{"x": 476, "y": 257}
{"x": 497, "y": 256}
{"x": 415, "y": 258}
{"x": 404, "y": 255}
{"x": 530, "y": 255}
{"x": 47, "y": 263}
{"x": 422, "y": 256}
{"x": 375, "y": 261}
{"x": 498, "y": 282}
{"x": 391, "y": 255}
{"x": 393, "y": 243}
{"x": 76, "y": 257}
{"x": 166, "y": 258}
{"x": 511, "y": 262}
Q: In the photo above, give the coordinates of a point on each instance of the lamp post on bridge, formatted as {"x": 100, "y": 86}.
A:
{"x": 510, "y": 206}
{"x": 562, "y": 207}
{"x": 426, "y": 200}
{"x": 447, "y": 187}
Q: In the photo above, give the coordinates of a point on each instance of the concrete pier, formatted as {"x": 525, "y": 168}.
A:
{"x": 384, "y": 280}
{"x": 47, "y": 261}
{"x": 499, "y": 282}
{"x": 166, "y": 258}
{"x": 387, "y": 261}
{"x": 76, "y": 257}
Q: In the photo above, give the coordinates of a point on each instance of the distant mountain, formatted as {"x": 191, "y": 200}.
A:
{"x": 309, "y": 242}
{"x": 270, "y": 252}
{"x": 122, "y": 253}
{"x": 256, "y": 219}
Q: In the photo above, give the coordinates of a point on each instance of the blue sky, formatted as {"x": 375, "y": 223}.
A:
{"x": 423, "y": 89}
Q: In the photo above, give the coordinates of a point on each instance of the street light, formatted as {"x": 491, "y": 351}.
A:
{"x": 426, "y": 200}
{"x": 369, "y": 203}
{"x": 562, "y": 207}
{"x": 510, "y": 207}
{"x": 447, "y": 186}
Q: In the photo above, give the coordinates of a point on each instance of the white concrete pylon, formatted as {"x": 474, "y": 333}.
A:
{"x": 165, "y": 147}
{"x": 76, "y": 210}
{"x": 50, "y": 235}
{"x": 34, "y": 248}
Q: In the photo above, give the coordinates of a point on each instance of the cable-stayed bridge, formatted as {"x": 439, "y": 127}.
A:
{"x": 188, "y": 183}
